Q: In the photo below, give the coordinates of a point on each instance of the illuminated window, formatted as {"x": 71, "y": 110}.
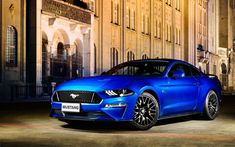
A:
{"x": 132, "y": 20}
{"x": 176, "y": 36}
{"x": 60, "y": 49}
{"x": 128, "y": 17}
{"x": 168, "y": 33}
{"x": 115, "y": 10}
{"x": 114, "y": 57}
{"x": 11, "y": 47}
{"x": 159, "y": 29}
{"x": 143, "y": 23}
{"x": 112, "y": 11}
{"x": 179, "y": 37}
{"x": 145, "y": 56}
{"x": 147, "y": 31}
{"x": 177, "y": 5}
{"x": 156, "y": 28}
{"x": 116, "y": 13}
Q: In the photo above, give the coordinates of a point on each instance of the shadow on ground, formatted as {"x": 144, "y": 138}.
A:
{"x": 111, "y": 127}
{"x": 14, "y": 112}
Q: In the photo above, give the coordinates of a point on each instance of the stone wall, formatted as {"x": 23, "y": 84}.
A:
{"x": 144, "y": 38}
{"x": 223, "y": 23}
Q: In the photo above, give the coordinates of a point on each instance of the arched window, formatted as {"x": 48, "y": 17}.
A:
{"x": 77, "y": 63}
{"x": 115, "y": 10}
{"x": 114, "y": 57}
{"x": 223, "y": 68}
{"x": 130, "y": 56}
{"x": 60, "y": 49}
{"x": 11, "y": 47}
{"x": 145, "y": 56}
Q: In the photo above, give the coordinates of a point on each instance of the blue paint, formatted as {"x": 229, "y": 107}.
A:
{"x": 183, "y": 93}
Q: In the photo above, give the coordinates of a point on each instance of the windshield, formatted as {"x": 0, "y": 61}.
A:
{"x": 155, "y": 68}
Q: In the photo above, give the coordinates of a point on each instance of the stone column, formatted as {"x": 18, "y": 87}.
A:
{"x": 233, "y": 70}
{"x": 38, "y": 44}
{"x": 86, "y": 51}
{"x": 68, "y": 60}
{"x": 92, "y": 52}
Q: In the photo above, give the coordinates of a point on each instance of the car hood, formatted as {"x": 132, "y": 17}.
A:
{"x": 99, "y": 83}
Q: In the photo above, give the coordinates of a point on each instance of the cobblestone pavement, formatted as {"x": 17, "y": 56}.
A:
{"x": 29, "y": 124}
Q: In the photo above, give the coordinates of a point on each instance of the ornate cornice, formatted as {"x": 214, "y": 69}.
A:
{"x": 66, "y": 10}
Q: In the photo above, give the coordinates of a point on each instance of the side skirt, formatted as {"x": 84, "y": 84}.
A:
{"x": 178, "y": 115}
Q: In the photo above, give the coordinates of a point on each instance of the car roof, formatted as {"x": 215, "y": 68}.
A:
{"x": 158, "y": 59}
{"x": 170, "y": 61}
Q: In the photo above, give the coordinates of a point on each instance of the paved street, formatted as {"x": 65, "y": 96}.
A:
{"x": 30, "y": 125}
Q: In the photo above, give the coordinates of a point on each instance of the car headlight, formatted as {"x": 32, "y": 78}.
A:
{"x": 121, "y": 92}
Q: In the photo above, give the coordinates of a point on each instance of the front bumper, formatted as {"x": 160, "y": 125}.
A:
{"x": 93, "y": 112}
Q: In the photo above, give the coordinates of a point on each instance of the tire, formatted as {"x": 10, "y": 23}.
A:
{"x": 146, "y": 112}
{"x": 211, "y": 106}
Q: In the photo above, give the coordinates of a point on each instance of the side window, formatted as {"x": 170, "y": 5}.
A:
{"x": 182, "y": 67}
{"x": 195, "y": 72}
{"x": 187, "y": 70}
{"x": 172, "y": 70}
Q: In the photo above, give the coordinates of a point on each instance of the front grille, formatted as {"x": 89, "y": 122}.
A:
{"x": 78, "y": 97}
{"x": 82, "y": 113}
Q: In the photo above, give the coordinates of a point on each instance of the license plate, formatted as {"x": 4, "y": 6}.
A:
{"x": 70, "y": 107}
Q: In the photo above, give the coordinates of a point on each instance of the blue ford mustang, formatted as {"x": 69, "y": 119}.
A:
{"x": 141, "y": 92}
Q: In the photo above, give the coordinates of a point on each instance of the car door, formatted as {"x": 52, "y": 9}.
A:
{"x": 180, "y": 92}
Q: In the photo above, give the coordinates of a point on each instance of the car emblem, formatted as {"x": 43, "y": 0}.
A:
{"x": 74, "y": 95}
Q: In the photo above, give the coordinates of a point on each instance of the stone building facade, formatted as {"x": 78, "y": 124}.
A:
{"x": 132, "y": 29}
{"x": 54, "y": 40}
{"x": 196, "y": 30}
{"x": 226, "y": 43}
{"x": 188, "y": 30}
{"x": 12, "y": 59}
{"x": 44, "y": 41}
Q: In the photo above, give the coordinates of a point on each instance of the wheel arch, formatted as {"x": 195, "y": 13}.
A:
{"x": 155, "y": 96}
{"x": 203, "y": 96}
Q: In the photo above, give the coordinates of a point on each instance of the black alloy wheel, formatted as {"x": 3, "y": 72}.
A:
{"x": 146, "y": 112}
{"x": 211, "y": 106}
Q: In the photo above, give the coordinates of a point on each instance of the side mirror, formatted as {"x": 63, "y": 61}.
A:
{"x": 178, "y": 74}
